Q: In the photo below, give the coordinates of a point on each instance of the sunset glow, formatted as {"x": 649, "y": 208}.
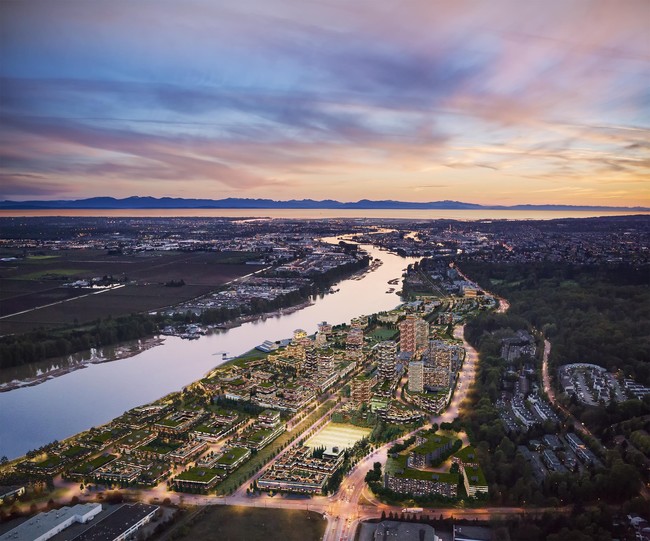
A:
{"x": 486, "y": 102}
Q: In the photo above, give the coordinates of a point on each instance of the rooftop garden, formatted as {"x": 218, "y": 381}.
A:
{"x": 433, "y": 443}
{"x": 135, "y": 438}
{"x": 232, "y": 455}
{"x": 260, "y": 435}
{"x": 75, "y": 451}
{"x": 91, "y": 465}
{"x": 51, "y": 461}
{"x": 105, "y": 436}
{"x": 160, "y": 447}
{"x": 201, "y": 475}
{"x": 467, "y": 454}
{"x": 475, "y": 476}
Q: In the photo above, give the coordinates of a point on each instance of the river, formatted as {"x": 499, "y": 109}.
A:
{"x": 60, "y": 407}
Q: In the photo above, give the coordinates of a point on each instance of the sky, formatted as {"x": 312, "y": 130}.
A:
{"x": 492, "y": 102}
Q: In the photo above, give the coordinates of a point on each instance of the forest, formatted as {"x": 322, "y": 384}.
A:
{"x": 593, "y": 314}
{"x": 509, "y": 476}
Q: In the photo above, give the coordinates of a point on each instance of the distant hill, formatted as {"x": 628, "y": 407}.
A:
{"x": 136, "y": 202}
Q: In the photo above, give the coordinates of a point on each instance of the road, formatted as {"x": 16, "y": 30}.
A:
{"x": 548, "y": 389}
{"x": 345, "y": 510}
{"x": 578, "y": 426}
{"x": 98, "y": 292}
{"x": 353, "y": 502}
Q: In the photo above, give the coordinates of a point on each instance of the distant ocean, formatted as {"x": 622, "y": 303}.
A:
{"x": 397, "y": 214}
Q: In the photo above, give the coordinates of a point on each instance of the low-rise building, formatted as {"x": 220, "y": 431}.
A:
{"x": 11, "y": 493}
{"x": 232, "y": 458}
{"x": 121, "y": 524}
{"x": 46, "y": 525}
{"x": 200, "y": 477}
{"x": 179, "y": 422}
{"x": 187, "y": 451}
{"x": 268, "y": 419}
{"x": 301, "y": 472}
{"x": 404, "y": 531}
{"x": 429, "y": 449}
{"x": 261, "y": 437}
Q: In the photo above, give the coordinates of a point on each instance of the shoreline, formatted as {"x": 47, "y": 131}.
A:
{"x": 158, "y": 339}
{"x": 127, "y": 352}
{"x": 122, "y": 352}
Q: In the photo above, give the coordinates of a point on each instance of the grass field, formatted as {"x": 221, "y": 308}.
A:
{"x": 382, "y": 333}
{"x": 233, "y": 523}
{"x": 53, "y": 274}
{"x": 338, "y": 435}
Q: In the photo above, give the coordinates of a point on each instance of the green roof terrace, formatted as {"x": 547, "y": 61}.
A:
{"x": 467, "y": 454}
{"x": 201, "y": 475}
{"x": 475, "y": 476}
{"x": 433, "y": 443}
{"x": 233, "y": 457}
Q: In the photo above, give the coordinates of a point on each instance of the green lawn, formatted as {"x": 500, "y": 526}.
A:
{"x": 53, "y": 274}
{"x": 74, "y": 451}
{"x": 433, "y": 443}
{"x": 41, "y": 257}
{"x": 233, "y": 523}
{"x": 102, "y": 437}
{"x": 467, "y": 454}
{"x": 382, "y": 333}
{"x": 478, "y": 473}
{"x": 92, "y": 465}
{"x": 233, "y": 455}
{"x": 51, "y": 461}
{"x": 200, "y": 474}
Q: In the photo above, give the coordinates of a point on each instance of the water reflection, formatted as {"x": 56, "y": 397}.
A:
{"x": 60, "y": 407}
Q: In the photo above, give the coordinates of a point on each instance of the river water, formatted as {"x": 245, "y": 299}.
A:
{"x": 58, "y": 408}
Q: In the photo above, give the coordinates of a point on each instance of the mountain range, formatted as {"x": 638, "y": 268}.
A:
{"x": 136, "y": 202}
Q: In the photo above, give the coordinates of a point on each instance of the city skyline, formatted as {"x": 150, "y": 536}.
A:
{"x": 495, "y": 104}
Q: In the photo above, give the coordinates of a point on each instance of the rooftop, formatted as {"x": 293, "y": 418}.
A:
{"x": 41, "y": 524}
{"x": 232, "y": 455}
{"x": 433, "y": 443}
{"x": 117, "y": 522}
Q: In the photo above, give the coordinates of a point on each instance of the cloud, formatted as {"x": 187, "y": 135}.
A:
{"x": 25, "y": 186}
{"x": 260, "y": 97}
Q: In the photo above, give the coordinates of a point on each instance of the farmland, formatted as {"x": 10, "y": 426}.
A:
{"x": 32, "y": 293}
{"x": 235, "y": 523}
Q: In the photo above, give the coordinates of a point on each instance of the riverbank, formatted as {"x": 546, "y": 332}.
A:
{"x": 128, "y": 351}
{"x": 104, "y": 391}
{"x": 257, "y": 317}
{"x": 120, "y": 353}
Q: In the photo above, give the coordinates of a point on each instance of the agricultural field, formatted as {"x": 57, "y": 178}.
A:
{"x": 338, "y": 435}
{"x": 233, "y": 523}
{"x": 32, "y": 293}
